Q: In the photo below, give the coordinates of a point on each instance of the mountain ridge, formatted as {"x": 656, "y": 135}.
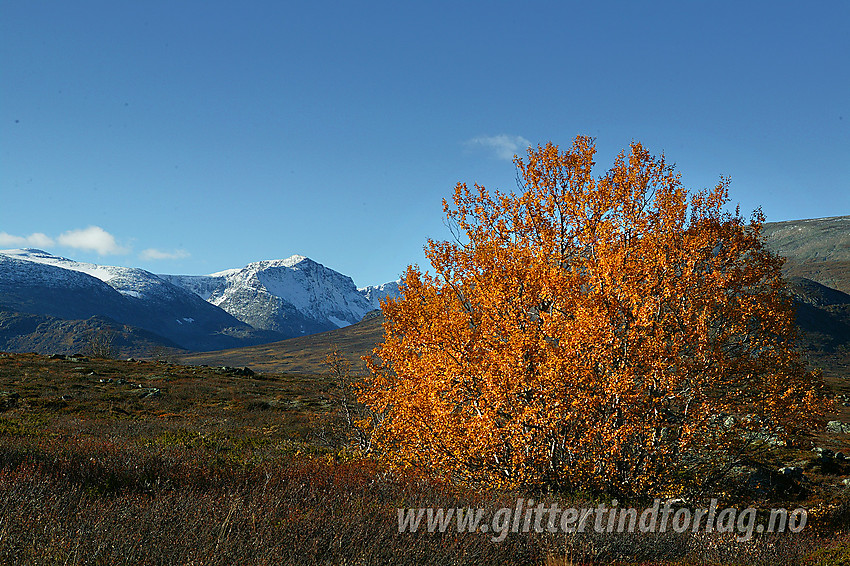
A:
{"x": 35, "y": 282}
{"x": 265, "y": 301}
{"x": 294, "y": 296}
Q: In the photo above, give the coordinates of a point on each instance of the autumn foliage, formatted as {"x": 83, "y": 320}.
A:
{"x": 615, "y": 333}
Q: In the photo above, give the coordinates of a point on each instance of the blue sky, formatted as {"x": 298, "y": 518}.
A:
{"x": 190, "y": 137}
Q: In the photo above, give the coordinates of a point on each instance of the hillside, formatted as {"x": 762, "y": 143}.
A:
{"x": 823, "y": 316}
{"x": 305, "y": 354}
{"x": 817, "y": 249}
{"x": 48, "y": 301}
{"x": 39, "y": 283}
{"x": 818, "y": 268}
{"x": 23, "y": 332}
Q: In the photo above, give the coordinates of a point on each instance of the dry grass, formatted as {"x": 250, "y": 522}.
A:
{"x": 304, "y": 354}
{"x": 223, "y": 469}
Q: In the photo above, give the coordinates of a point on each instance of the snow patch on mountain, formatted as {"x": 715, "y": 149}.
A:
{"x": 129, "y": 281}
{"x": 292, "y": 296}
{"x": 201, "y": 285}
{"x": 37, "y": 282}
{"x": 375, "y": 293}
{"x": 295, "y": 295}
{"x": 44, "y": 258}
{"x": 17, "y": 269}
{"x": 338, "y": 322}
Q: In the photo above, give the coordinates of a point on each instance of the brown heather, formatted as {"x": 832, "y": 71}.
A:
{"x": 223, "y": 469}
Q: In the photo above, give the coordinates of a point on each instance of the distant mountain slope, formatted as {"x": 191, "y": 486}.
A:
{"x": 305, "y": 354}
{"x": 36, "y": 282}
{"x": 817, "y": 249}
{"x": 24, "y": 332}
{"x": 38, "y": 288}
{"x": 294, "y": 296}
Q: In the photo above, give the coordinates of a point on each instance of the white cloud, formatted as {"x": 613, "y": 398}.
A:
{"x": 35, "y": 240}
{"x": 152, "y": 254}
{"x": 93, "y": 238}
{"x": 503, "y": 145}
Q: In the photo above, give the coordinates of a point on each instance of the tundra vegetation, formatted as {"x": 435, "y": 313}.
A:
{"x": 113, "y": 462}
{"x": 583, "y": 339}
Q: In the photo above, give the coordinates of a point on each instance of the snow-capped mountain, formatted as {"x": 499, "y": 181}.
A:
{"x": 293, "y": 296}
{"x": 264, "y": 301}
{"x": 36, "y": 282}
{"x": 376, "y": 293}
{"x": 129, "y": 281}
{"x": 41, "y": 288}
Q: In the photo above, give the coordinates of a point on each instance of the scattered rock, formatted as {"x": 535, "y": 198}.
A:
{"x": 838, "y": 426}
{"x": 785, "y": 481}
{"x": 149, "y": 393}
{"x": 828, "y": 461}
{"x": 793, "y": 472}
{"x": 245, "y": 372}
{"x": 825, "y": 453}
{"x": 766, "y": 438}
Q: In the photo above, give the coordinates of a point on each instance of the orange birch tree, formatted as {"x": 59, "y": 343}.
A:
{"x": 612, "y": 333}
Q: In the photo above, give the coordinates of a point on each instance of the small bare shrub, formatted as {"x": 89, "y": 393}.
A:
{"x": 356, "y": 423}
{"x": 101, "y": 345}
